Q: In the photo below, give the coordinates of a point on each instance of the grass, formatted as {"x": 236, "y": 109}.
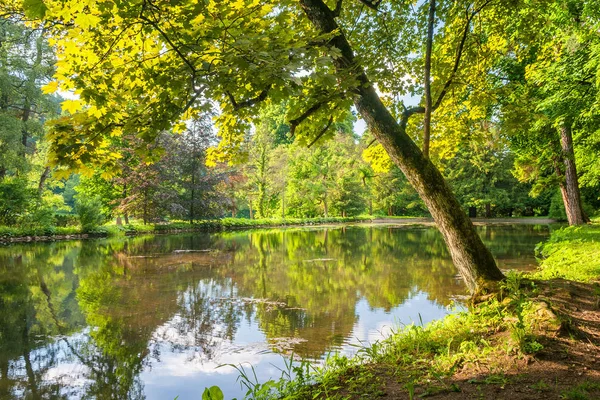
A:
{"x": 571, "y": 253}
{"x": 111, "y": 229}
{"x": 580, "y": 392}
{"x": 422, "y": 356}
{"x": 419, "y": 358}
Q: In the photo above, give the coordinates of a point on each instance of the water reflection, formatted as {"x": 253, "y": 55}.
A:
{"x": 152, "y": 317}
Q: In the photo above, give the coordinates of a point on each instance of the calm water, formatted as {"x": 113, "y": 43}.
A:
{"x": 153, "y": 317}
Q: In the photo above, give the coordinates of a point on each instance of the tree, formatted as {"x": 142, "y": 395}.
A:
{"x": 259, "y": 169}
{"x": 198, "y": 195}
{"x": 26, "y": 61}
{"x": 148, "y": 191}
{"x": 239, "y": 73}
{"x": 480, "y": 171}
{"x": 545, "y": 88}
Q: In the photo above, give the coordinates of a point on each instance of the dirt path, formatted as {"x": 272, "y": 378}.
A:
{"x": 476, "y": 221}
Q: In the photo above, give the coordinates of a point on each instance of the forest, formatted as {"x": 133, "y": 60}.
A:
{"x": 496, "y": 134}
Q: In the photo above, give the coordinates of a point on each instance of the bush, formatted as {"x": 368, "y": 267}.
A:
{"x": 557, "y": 208}
{"x": 63, "y": 219}
{"x": 89, "y": 211}
{"x": 15, "y": 199}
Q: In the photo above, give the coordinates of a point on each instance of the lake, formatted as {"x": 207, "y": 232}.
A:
{"x": 154, "y": 317}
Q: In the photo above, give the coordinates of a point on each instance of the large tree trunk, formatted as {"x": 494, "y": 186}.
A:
{"x": 570, "y": 187}
{"x": 472, "y": 259}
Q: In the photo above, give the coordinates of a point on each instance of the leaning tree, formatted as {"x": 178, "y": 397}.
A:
{"x": 145, "y": 66}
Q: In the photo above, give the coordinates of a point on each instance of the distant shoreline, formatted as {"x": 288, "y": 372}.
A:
{"x": 246, "y": 224}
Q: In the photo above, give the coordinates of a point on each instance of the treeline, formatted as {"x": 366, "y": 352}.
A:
{"x": 495, "y": 169}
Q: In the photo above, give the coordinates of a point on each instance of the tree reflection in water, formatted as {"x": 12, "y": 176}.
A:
{"x": 85, "y": 319}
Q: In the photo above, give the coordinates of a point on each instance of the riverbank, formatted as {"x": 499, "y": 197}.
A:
{"x": 42, "y": 234}
{"x": 539, "y": 340}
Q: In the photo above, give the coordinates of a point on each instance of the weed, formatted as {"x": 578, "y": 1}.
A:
{"x": 540, "y": 386}
{"x": 581, "y": 391}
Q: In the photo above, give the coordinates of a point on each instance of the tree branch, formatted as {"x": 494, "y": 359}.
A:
{"x": 154, "y": 24}
{"x": 250, "y": 102}
{"x": 310, "y": 111}
{"x": 372, "y": 4}
{"x": 322, "y": 132}
{"x": 338, "y": 8}
{"x": 371, "y": 143}
{"x": 428, "y": 100}
{"x": 459, "y": 53}
{"x": 407, "y": 113}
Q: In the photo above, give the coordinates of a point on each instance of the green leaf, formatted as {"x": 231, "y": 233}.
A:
{"x": 35, "y": 9}
{"x": 213, "y": 393}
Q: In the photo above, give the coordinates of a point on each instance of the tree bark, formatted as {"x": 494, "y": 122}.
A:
{"x": 125, "y": 215}
{"x": 570, "y": 188}
{"x": 42, "y": 181}
{"x": 31, "y": 82}
{"x": 193, "y": 195}
{"x": 145, "y": 211}
{"x": 24, "y": 131}
{"x": 472, "y": 259}
{"x": 428, "y": 99}
{"x": 283, "y": 200}
{"x": 5, "y": 382}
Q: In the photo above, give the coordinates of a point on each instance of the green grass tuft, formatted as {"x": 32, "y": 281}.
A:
{"x": 571, "y": 253}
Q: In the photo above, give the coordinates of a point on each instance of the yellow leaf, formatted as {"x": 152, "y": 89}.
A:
{"x": 86, "y": 20}
{"x": 72, "y": 106}
{"x": 179, "y": 128}
{"x": 50, "y": 87}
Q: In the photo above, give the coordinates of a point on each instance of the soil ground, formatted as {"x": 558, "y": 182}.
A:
{"x": 568, "y": 366}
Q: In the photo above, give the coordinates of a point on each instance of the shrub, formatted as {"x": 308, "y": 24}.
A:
{"x": 557, "y": 208}
{"x": 89, "y": 211}
{"x": 15, "y": 199}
